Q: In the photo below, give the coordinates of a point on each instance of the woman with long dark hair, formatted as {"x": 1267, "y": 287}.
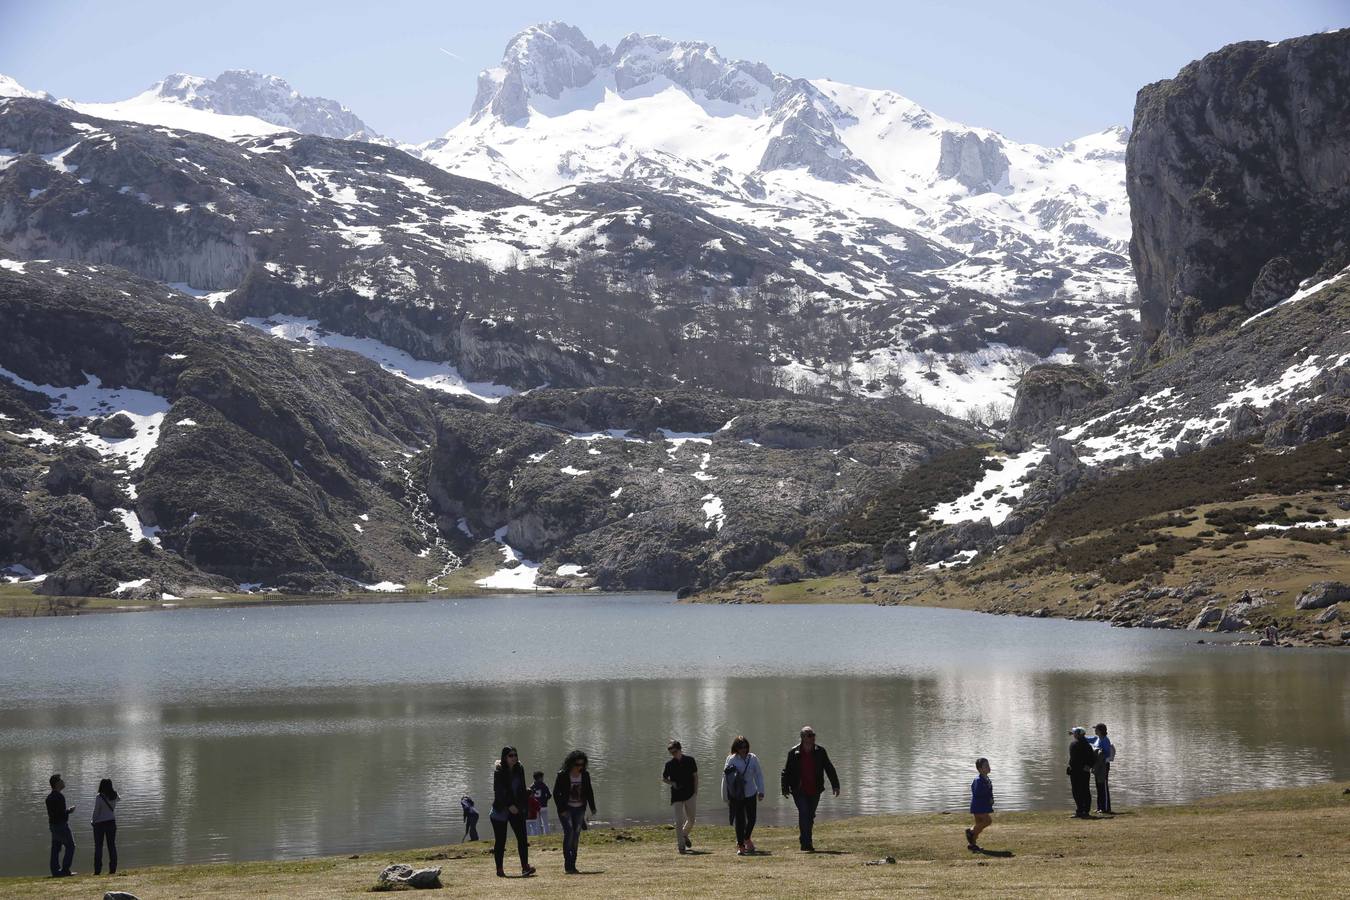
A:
{"x": 572, "y": 794}
{"x": 104, "y": 821}
{"x": 509, "y": 798}
{"x": 742, "y": 789}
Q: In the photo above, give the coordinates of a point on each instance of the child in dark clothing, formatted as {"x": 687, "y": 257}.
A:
{"x": 981, "y": 803}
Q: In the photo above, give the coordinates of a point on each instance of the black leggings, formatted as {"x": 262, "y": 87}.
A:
{"x": 743, "y": 812}
{"x": 522, "y": 845}
{"x": 105, "y": 831}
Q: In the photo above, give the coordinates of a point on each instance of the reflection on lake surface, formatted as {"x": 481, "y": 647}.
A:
{"x": 297, "y": 731}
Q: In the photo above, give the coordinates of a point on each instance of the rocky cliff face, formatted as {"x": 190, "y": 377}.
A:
{"x": 1238, "y": 171}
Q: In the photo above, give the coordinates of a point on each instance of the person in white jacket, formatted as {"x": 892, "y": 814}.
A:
{"x": 104, "y": 821}
{"x": 742, "y": 789}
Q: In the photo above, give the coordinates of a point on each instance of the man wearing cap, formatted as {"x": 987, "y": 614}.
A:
{"x": 1082, "y": 759}
{"x": 804, "y": 774}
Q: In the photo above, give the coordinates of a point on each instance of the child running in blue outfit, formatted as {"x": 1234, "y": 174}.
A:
{"x": 981, "y": 804}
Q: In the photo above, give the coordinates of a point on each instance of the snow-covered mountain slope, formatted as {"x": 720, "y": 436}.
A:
{"x": 11, "y": 88}
{"x": 801, "y": 157}
{"x": 238, "y": 103}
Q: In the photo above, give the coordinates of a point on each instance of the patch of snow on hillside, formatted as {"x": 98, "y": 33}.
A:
{"x": 520, "y": 577}
{"x": 145, "y": 410}
{"x": 439, "y": 376}
{"x": 986, "y": 499}
{"x": 210, "y": 298}
{"x": 713, "y": 512}
{"x": 1301, "y": 294}
{"x": 137, "y": 532}
{"x": 384, "y": 587}
{"x": 150, "y": 109}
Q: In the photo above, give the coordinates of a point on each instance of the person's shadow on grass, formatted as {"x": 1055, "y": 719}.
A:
{"x": 829, "y": 853}
{"x": 999, "y": 854}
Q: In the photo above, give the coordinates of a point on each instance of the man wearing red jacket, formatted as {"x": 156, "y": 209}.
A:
{"x": 803, "y": 777}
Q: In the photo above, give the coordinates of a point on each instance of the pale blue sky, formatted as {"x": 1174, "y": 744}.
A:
{"x": 1044, "y": 72}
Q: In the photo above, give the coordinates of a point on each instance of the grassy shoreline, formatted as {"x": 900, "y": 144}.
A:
{"x": 1288, "y": 842}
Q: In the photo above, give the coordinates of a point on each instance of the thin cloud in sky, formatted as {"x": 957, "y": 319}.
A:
{"x": 451, "y": 55}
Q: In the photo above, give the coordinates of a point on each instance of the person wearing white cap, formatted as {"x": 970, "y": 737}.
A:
{"x": 1082, "y": 759}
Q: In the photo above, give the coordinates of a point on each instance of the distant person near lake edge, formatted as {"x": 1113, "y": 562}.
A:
{"x": 1082, "y": 760}
{"x": 1106, "y": 754}
{"x": 58, "y": 822}
{"x": 742, "y": 789}
{"x": 539, "y": 797}
{"x": 470, "y": 818}
{"x": 509, "y": 798}
{"x": 681, "y": 773}
{"x": 981, "y": 804}
{"x": 803, "y": 777}
{"x": 573, "y": 795}
{"x": 104, "y": 820}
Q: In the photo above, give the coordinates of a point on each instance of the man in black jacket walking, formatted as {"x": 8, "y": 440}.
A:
{"x": 803, "y": 777}
{"x": 1082, "y": 760}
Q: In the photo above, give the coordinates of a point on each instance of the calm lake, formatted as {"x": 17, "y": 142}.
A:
{"x": 287, "y": 732}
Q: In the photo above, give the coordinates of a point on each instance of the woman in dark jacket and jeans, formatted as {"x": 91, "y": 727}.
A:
{"x": 509, "y": 802}
{"x": 572, "y": 794}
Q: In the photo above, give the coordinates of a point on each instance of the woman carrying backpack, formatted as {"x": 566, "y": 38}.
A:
{"x": 742, "y": 789}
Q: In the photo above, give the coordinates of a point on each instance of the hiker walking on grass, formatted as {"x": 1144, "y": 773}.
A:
{"x": 58, "y": 822}
{"x": 681, "y": 773}
{"x": 1106, "y": 754}
{"x": 509, "y": 799}
{"x": 1082, "y": 760}
{"x": 803, "y": 776}
{"x": 573, "y": 795}
{"x": 742, "y": 789}
{"x": 105, "y": 826}
{"x": 981, "y": 804}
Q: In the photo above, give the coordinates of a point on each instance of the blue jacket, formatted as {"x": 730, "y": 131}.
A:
{"x": 1103, "y": 745}
{"x": 982, "y": 795}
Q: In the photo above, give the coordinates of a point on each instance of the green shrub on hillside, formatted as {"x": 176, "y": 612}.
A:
{"x": 1223, "y": 473}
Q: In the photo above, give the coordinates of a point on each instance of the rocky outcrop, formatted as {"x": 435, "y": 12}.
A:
{"x": 1322, "y": 594}
{"x": 839, "y": 558}
{"x": 978, "y": 163}
{"x": 1049, "y": 392}
{"x": 805, "y": 137}
{"x": 944, "y": 543}
{"x": 544, "y": 59}
{"x": 1238, "y": 171}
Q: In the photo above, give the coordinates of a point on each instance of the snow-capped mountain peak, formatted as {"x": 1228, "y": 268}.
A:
{"x": 241, "y": 92}
{"x": 11, "y": 88}
{"x": 238, "y": 103}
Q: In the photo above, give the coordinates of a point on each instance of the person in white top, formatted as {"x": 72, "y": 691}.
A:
{"x": 742, "y": 789}
{"x": 104, "y": 821}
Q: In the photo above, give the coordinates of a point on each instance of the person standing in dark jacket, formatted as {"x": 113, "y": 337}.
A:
{"x": 572, "y": 794}
{"x": 1082, "y": 760}
{"x": 104, "y": 822}
{"x": 509, "y": 799}
{"x": 58, "y": 821}
{"x": 804, "y": 774}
